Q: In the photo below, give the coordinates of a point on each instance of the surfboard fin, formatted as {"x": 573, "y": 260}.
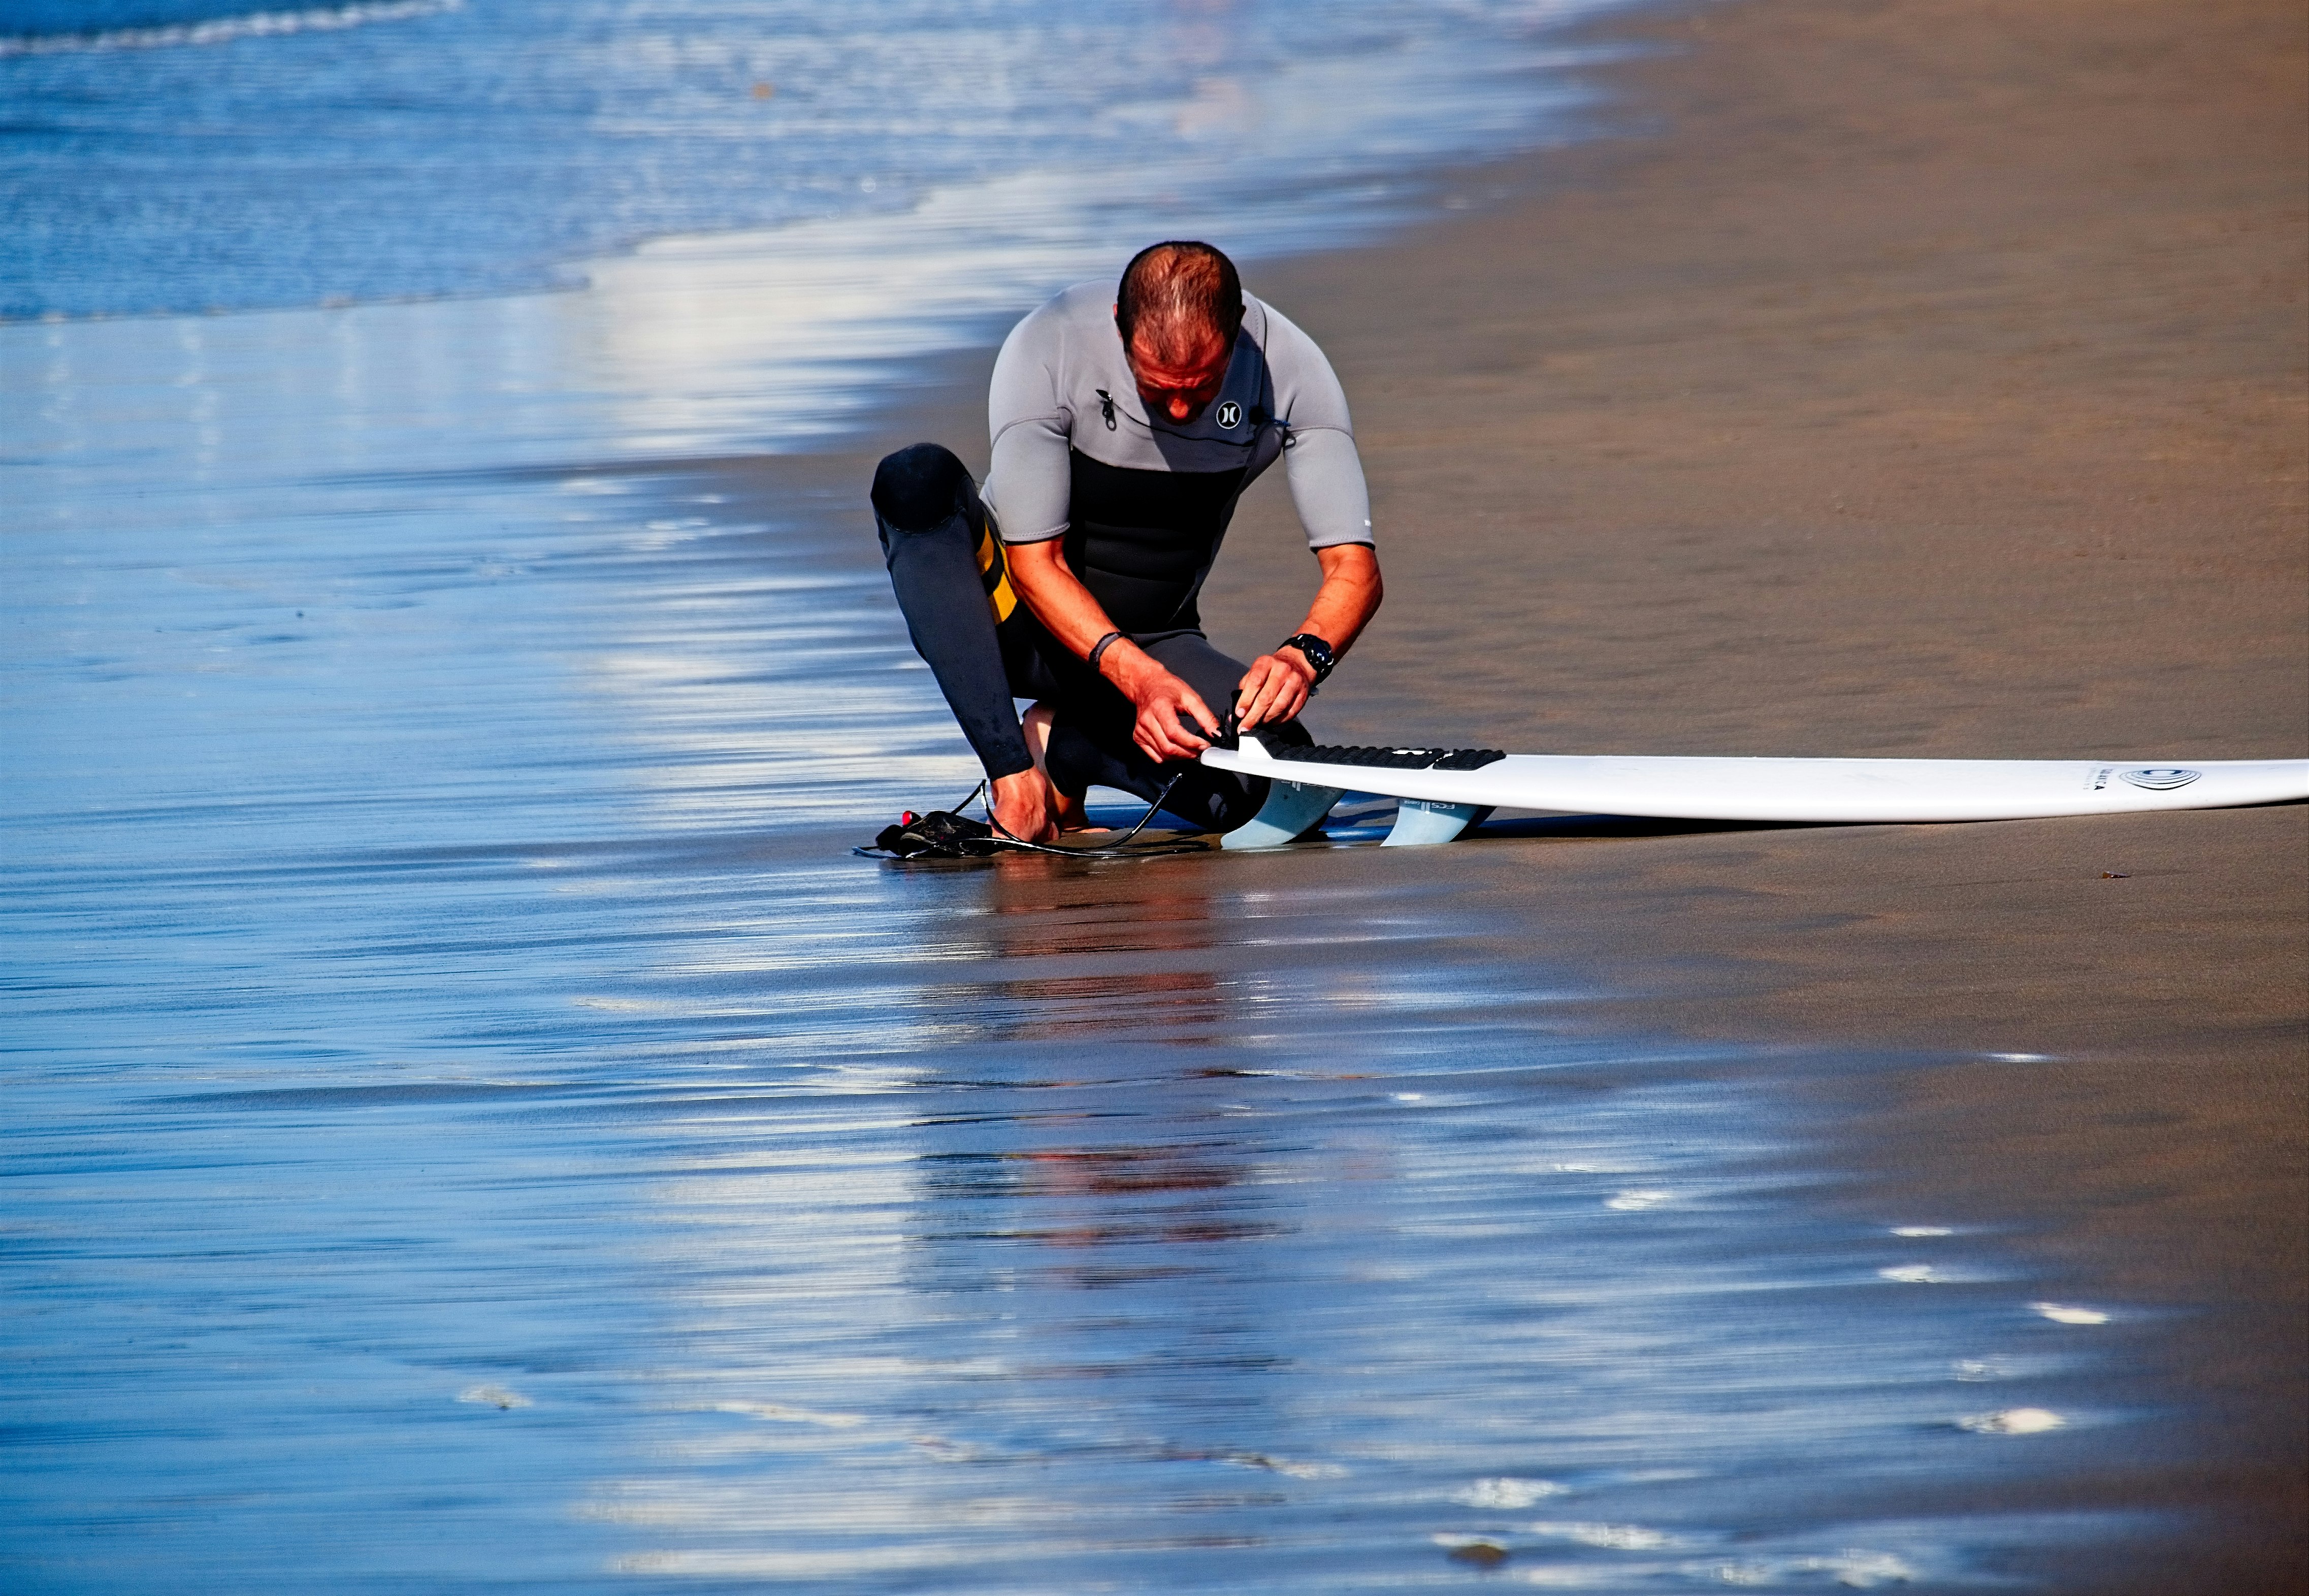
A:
{"x": 1291, "y": 810}
{"x": 1421, "y": 824}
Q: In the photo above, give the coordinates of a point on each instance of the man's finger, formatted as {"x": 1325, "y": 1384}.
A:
{"x": 1190, "y": 737}
{"x": 1293, "y": 698}
{"x": 1185, "y": 743}
{"x": 1180, "y": 740}
{"x": 1161, "y": 721}
{"x": 1276, "y": 699}
{"x": 1204, "y": 720}
{"x": 1246, "y": 693}
{"x": 1257, "y": 687}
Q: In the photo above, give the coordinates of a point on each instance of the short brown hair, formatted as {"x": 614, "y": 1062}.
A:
{"x": 1175, "y": 291}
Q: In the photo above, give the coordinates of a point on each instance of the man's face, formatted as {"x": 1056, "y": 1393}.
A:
{"x": 1180, "y": 392}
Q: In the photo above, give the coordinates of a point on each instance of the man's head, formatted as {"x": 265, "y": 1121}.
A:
{"x": 1179, "y": 310}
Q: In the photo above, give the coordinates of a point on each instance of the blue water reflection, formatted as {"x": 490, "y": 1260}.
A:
{"x": 717, "y": 1207}
{"x": 474, "y": 1126}
{"x": 474, "y": 1123}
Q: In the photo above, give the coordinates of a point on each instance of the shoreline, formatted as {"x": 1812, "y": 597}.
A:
{"x": 1928, "y": 385}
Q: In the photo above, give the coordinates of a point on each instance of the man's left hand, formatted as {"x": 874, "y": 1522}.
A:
{"x": 1275, "y": 689}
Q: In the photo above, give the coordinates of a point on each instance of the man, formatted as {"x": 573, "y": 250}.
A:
{"x": 1125, "y": 428}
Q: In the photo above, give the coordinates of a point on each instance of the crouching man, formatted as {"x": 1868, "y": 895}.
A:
{"x": 1126, "y": 425}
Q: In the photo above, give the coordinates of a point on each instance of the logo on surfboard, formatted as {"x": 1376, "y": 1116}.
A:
{"x": 2159, "y": 778}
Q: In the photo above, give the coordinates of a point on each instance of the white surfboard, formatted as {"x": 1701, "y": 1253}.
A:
{"x": 1445, "y": 790}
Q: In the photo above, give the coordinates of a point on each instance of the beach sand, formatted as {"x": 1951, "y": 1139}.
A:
{"x": 1924, "y": 378}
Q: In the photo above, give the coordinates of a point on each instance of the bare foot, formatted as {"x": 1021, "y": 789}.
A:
{"x": 1025, "y": 806}
{"x": 1072, "y": 816}
{"x": 1067, "y": 809}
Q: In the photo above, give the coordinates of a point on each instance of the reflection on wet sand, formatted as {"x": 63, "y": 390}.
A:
{"x": 535, "y": 1140}
{"x": 1186, "y": 1251}
{"x": 1048, "y": 910}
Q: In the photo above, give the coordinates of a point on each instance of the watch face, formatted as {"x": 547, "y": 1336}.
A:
{"x": 1317, "y": 652}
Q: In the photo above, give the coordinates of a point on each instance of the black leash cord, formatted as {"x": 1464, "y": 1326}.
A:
{"x": 1120, "y": 850}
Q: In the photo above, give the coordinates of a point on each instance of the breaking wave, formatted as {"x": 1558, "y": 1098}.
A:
{"x": 224, "y": 30}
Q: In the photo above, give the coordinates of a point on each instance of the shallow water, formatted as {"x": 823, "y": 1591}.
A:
{"x": 194, "y": 155}
{"x": 475, "y": 1124}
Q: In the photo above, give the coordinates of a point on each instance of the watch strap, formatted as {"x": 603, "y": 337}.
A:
{"x": 1320, "y": 654}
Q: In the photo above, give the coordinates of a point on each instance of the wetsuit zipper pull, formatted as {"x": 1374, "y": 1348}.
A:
{"x": 1106, "y": 408}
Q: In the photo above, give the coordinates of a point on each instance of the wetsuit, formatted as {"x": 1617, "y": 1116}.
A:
{"x": 1142, "y": 505}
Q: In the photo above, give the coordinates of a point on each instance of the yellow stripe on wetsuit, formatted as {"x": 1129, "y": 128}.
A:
{"x": 994, "y": 571}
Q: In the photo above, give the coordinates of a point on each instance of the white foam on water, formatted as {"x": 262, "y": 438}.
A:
{"x": 215, "y": 31}
{"x": 1507, "y": 1492}
{"x": 494, "y": 1396}
{"x": 2012, "y": 1422}
{"x": 1636, "y": 1202}
{"x": 780, "y": 1413}
{"x": 1618, "y": 1538}
{"x": 2062, "y": 1313}
{"x": 1854, "y": 1570}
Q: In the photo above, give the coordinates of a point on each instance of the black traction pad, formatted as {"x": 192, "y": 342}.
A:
{"x": 1392, "y": 759}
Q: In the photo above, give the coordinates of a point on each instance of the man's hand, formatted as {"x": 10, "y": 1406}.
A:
{"x": 1277, "y": 686}
{"x": 1173, "y": 721}
{"x": 1025, "y": 806}
{"x": 1275, "y": 689}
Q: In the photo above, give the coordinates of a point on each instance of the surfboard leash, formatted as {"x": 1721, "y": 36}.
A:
{"x": 1122, "y": 848}
{"x": 948, "y": 833}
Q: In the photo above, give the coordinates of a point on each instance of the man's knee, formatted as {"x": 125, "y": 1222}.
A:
{"x": 920, "y": 487}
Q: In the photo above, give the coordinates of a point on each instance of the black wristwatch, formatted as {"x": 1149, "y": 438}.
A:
{"x": 1318, "y": 652}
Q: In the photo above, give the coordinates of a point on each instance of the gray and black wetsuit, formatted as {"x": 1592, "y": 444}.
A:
{"x": 1142, "y": 505}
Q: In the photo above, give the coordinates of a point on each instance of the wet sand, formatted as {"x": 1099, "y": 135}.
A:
{"x": 1924, "y": 379}
{"x": 477, "y": 1125}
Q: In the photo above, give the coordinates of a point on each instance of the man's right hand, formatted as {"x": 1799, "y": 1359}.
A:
{"x": 1173, "y": 721}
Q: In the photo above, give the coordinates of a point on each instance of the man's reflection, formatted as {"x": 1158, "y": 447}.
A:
{"x": 1074, "y": 950}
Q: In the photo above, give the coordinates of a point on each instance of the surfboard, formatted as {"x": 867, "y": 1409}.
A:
{"x": 1445, "y": 790}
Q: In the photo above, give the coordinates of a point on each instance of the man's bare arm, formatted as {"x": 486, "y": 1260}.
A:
{"x": 1169, "y": 711}
{"x": 1276, "y": 685}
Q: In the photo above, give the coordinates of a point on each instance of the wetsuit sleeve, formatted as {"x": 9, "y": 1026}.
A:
{"x": 1028, "y": 481}
{"x": 1327, "y": 489}
{"x": 1324, "y": 472}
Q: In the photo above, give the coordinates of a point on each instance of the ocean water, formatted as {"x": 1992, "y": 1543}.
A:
{"x": 185, "y": 157}
{"x": 474, "y": 1125}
